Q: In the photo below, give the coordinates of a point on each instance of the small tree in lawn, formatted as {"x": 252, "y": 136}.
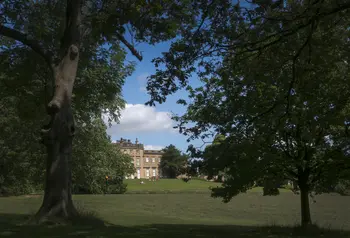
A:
{"x": 173, "y": 162}
{"x": 276, "y": 130}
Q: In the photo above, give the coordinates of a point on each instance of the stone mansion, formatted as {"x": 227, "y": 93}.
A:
{"x": 146, "y": 162}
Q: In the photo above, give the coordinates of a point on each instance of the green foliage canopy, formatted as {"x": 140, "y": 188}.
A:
{"x": 173, "y": 162}
{"x": 275, "y": 92}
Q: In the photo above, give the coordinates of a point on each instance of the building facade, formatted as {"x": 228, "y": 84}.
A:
{"x": 146, "y": 162}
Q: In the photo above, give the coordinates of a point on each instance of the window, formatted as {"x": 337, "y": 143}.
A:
{"x": 147, "y": 172}
{"x": 147, "y": 160}
{"x": 159, "y": 160}
{"x": 153, "y": 160}
{"x": 154, "y": 172}
{"x": 138, "y": 162}
{"x": 138, "y": 173}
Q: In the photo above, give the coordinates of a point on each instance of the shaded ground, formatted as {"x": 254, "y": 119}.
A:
{"x": 180, "y": 215}
{"x": 10, "y": 228}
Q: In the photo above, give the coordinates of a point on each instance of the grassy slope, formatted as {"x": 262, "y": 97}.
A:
{"x": 179, "y": 215}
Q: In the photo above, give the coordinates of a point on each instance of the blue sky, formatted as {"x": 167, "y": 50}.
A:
{"x": 152, "y": 126}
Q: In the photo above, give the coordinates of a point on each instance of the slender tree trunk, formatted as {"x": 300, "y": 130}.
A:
{"x": 305, "y": 204}
{"x": 305, "y": 208}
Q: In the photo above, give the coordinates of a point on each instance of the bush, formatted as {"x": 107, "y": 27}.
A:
{"x": 270, "y": 191}
{"x": 270, "y": 187}
{"x": 343, "y": 188}
{"x": 117, "y": 189}
{"x": 17, "y": 189}
{"x": 115, "y": 186}
{"x": 80, "y": 189}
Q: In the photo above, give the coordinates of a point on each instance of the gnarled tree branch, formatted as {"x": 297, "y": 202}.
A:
{"x": 28, "y": 41}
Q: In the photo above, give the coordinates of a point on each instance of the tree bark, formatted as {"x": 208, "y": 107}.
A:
{"x": 57, "y": 136}
{"x": 305, "y": 208}
{"x": 304, "y": 203}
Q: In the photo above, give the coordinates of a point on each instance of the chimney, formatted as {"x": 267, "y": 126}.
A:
{"x": 137, "y": 141}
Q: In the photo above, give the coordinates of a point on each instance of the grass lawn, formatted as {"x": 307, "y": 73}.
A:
{"x": 175, "y": 186}
{"x": 179, "y": 215}
{"x": 169, "y": 186}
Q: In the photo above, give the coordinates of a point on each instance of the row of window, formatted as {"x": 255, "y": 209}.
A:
{"x": 132, "y": 151}
{"x": 147, "y": 160}
{"x": 153, "y": 160}
{"x": 147, "y": 172}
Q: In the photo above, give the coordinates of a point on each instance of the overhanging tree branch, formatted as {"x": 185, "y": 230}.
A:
{"x": 28, "y": 41}
{"x": 274, "y": 38}
{"x": 129, "y": 46}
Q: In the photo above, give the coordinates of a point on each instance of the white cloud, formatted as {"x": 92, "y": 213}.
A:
{"x": 142, "y": 118}
{"x": 143, "y": 89}
{"x": 142, "y": 77}
{"x": 142, "y": 80}
{"x": 154, "y": 147}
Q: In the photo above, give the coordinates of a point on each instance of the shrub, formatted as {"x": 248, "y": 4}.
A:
{"x": 270, "y": 191}
{"x": 343, "y": 188}
{"x": 17, "y": 189}
{"x": 117, "y": 188}
{"x": 270, "y": 188}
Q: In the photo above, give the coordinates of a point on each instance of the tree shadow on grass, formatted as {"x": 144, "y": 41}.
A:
{"x": 14, "y": 225}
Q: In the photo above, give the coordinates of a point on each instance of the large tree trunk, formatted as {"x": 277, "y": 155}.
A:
{"x": 58, "y": 137}
{"x": 58, "y": 141}
{"x": 58, "y": 134}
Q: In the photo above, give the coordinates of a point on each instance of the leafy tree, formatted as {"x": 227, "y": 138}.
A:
{"x": 69, "y": 39}
{"x": 20, "y": 155}
{"x": 238, "y": 29}
{"x": 195, "y": 168}
{"x": 273, "y": 85}
{"x": 96, "y": 157}
{"x": 24, "y": 87}
{"x": 22, "y": 166}
{"x": 173, "y": 162}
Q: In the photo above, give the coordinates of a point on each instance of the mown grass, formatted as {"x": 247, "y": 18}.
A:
{"x": 168, "y": 186}
{"x": 181, "y": 215}
{"x": 175, "y": 186}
